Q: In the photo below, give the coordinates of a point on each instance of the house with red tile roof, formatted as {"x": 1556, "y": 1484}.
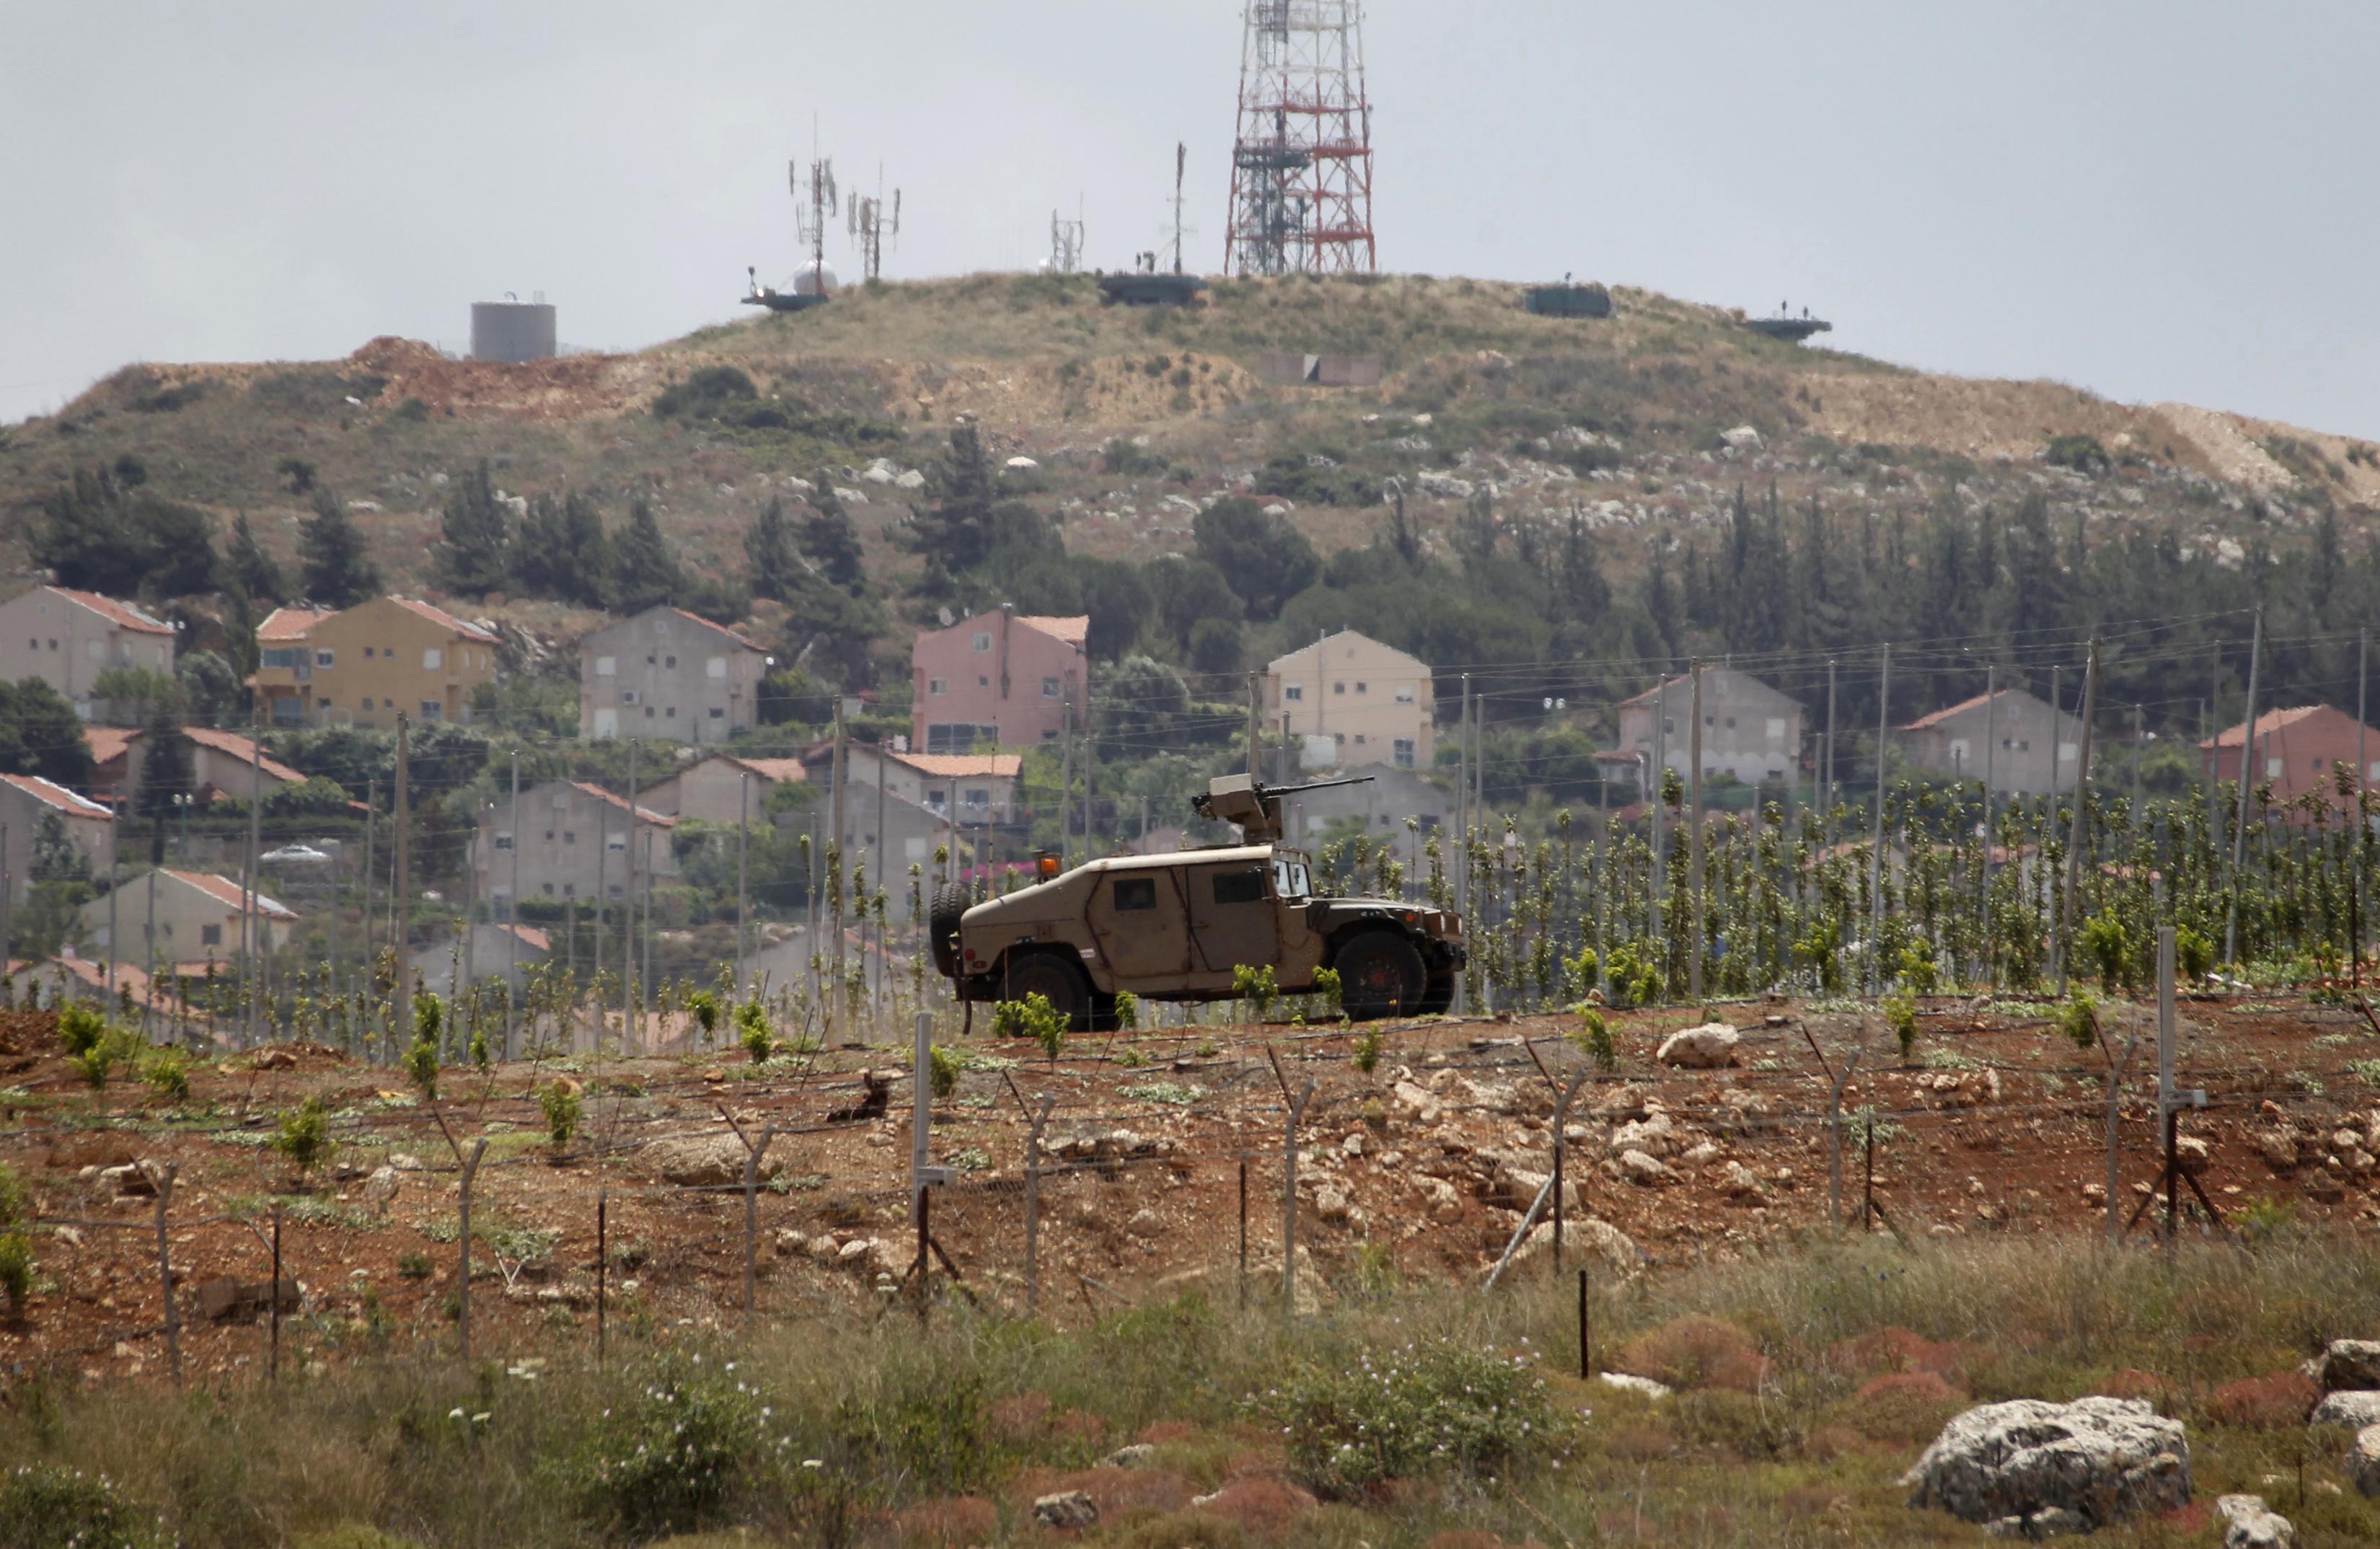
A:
{"x": 67, "y": 638}
{"x": 366, "y": 665}
{"x": 1003, "y": 679}
{"x": 221, "y": 763}
{"x": 28, "y": 804}
{"x": 723, "y": 788}
{"x": 1750, "y": 731}
{"x": 2024, "y": 745}
{"x": 2298, "y": 751}
{"x": 198, "y": 916}
{"x": 576, "y": 841}
{"x": 670, "y": 674}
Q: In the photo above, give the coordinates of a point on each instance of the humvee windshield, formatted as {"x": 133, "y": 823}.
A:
{"x": 1289, "y": 882}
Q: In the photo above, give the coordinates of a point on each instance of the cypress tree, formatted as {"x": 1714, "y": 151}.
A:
{"x": 339, "y": 574}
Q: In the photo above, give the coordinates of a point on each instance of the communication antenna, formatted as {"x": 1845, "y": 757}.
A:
{"x": 1301, "y": 156}
{"x": 1066, "y": 241}
{"x": 872, "y": 228}
{"x": 822, "y": 204}
{"x": 1181, "y": 161}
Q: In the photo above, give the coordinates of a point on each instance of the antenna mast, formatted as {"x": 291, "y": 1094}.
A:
{"x": 870, "y": 227}
{"x": 1181, "y": 161}
{"x": 1302, "y": 159}
{"x": 1066, "y": 240}
{"x": 823, "y": 202}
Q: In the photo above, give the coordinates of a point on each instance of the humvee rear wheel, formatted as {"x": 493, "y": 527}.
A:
{"x": 1380, "y": 975}
{"x": 1066, "y": 988}
{"x": 942, "y": 928}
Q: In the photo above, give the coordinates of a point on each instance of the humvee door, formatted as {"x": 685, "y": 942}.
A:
{"x": 1232, "y": 917}
{"x": 1141, "y": 925}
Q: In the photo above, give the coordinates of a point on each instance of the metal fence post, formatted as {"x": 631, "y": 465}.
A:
{"x": 463, "y": 1246}
{"x": 1244, "y": 1231}
{"x": 165, "y": 1272}
{"x": 1033, "y": 1206}
{"x": 1296, "y": 1106}
{"x": 602, "y": 1264}
{"x": 272, "y": 1356}
{"x": 752, "y": 1154}
{"x": 2116, "y": 1068}
{"x": 1835, "y": 1132}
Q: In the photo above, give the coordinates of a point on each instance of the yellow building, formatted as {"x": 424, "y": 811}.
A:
{"x": 1371, "y": 703}
{"x": 361, "y": 666}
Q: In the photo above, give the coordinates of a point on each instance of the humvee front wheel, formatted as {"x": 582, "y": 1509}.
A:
{"x": 1380, "y": 975}
{"x": 1066, "y": 988}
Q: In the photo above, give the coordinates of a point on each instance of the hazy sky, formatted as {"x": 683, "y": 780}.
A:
{"x": 2154, "y": 200}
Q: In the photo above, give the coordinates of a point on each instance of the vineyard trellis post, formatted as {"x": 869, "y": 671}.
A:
{"x": 401, "y": 882}
{"x": 1563, "y": 1096}
{"x": 2240, "y": 808}
{"x": 512, "y": 919}
{"x": 2117, "y": 1065}
{"x": 2072, "y": 912}
{"x": 1984, "y": 862}
{"x": 1296, "y": 1112}
{"x": 1036, "y": 1122}
{"x": 743, "y": 845}
{"x": 1875, "y": 851}
{"x": 273, "y": 1351}
{"x": 165, "y": 1272}
{"x": 1694, "y": 868}
{"x": 2363, "y": 820}
{"x": 463, "y": 1240}
{"x": 603, "y": 1268}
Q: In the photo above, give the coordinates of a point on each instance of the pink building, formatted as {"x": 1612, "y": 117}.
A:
{"x": 2298, "y": 751}
{"x": 1004, "y": 678}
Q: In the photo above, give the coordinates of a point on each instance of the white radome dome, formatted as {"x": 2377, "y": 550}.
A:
{"x": 815, "y": 280}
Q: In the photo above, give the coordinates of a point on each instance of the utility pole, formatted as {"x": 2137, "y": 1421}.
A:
{"x": 1875, "y": 851}
{"x": 2363, "y": 819}
{"x": 743, "y": 847}
{"x": 1065, "y": 783}
{"x": 512, "y": 916}
{"x": 371, "y": 821}
{"x": 1827, "y": 775}
{"x": 254, "y": 937}
{"x": 2239, "y": 814}
{"x": 1254, "y": 710}
{"x": 2082, "y": 788}
{"x": 1462, "y": 814}
{"x": 2139, "y": 748}
{"x": 1695, "y": 834}
{"x": 629, "y": 925}
{"x": 1991, "y": 752}
{"x": 402, "y": 879}
{"x": 838, "y": 859}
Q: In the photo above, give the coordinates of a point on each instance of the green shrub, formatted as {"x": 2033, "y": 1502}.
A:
{"x": 1331, "y": 987}
{"x": 1427, "y": 1407}
{"x": 2083, "y": 454}
{"x": 705, "y": 1006}
{"x": 15, "y": 1269}
{"x": 420, "y": 1061}
{"x": 45, "y": 1506}
{"x": 305, "y": 1136}
{"x": 1033, "y": 1018}
{"x": 666, "y": 1460}
{"x": 1368, "y": 1045}
{"x": 166, "y": 1072}
{"x": 2193, "y": 955}
{"x": 1257, "y": 989}
{"x": 1594, "y": 1035}
{"x": 1127, "y": 1010}
{"x": 562, "y": 1108}
{"x": 413, "y": 1264}
{"x": 942, "y": 1073}
{"x": 1636, "y": 981}
{"x": 80, "y": 1028}
{"x": 2108, "y": 945}
{"x": 16, "y": 1200}
{"x": 1900, "y": 1015}
{"x": 2078, "y": 1019}
{"x": 1919, "y": 973}
{"x": 752, "y": 1031}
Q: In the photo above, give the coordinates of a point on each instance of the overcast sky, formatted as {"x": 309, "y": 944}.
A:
{"x": 2156, "y": 201}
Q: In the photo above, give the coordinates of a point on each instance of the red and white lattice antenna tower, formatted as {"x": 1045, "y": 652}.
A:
{"x": 1302, "y": 160}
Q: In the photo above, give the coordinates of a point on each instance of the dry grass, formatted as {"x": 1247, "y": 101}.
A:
{"x": 1810, "y": 1456}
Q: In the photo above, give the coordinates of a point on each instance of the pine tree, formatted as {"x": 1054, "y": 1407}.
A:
{"x": 253, "y": 571}
{"x": 832, "y": 543}
{"x": 772, "y": 558}
{"x": 955, "y": 534}
{"x": 644, "y": 570}
{"x": 339, "y": 574}
{"x": 475, "y": 537}
{"x": 560, "y": 552}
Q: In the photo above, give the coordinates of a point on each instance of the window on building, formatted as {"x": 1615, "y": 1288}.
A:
{"x": 503, "y": 842}
{"x": 570, "y": 889}
{"x": 549, "y": 836}
{"x": 326, "y": 658}
{"x": 277, "y": 656}
{"x": 2272, "y": 767}
{"x": 368, "y": 704}
{"x": 1338, "y": 688}
{"x": 1404, "y": 753}
{"x": 1359, "y": 739}
{"x": 628, "y": 697}
{"x": 607, "y": 666}
{"x": 548, "y": 889}
{"x": 1406, "y": 694}
{"x": 1048, "y": 688}
{"x": 1669, "y": 726}
{"x": 937, "y": 687}
{"x": 616, "y": 889}
{"x": 1363, "y": 688}
{"x": 432, "y": 658}
{"x": 210, "y": 936}
{"x": 649, "y": 712}
{"x": 1776, "y": 774}
{"x": 653, "y": 659}
{"x": 719, "y": 712}
{"x": 570, "y": 836}
{"x": 616, "y": 842}
{"x": 368, "y": 653}
{"x": 1776, "y": 728}
{"x": 715, "y": 668}
{"x": 288, "y": 710}
{"x": 431, "y": 710}
{"x": 669, "y": 661}
{"x": 938, "y": 801}
{"x": 982, "y": 640}
{"x": 670, "y": 714}
{"x": 1292, "y": 691}
{"x": 979, "y": 797}
{"x": 1730, "y": 723}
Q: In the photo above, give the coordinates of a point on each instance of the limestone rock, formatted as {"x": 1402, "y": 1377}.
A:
{"x": 2363, "y": 1461}
{"x": 1743, "y": 438}
{"x": 1629, "y": 1383}
{"x": 1711, "y": 1047}
{"x": 2350, "y": 1363}
{"x": 825, "y": 1248}
{"x": 379, "y": 1189}
{"x": 405, "y": 1161}
{"x": 1652, "y": 1135}
{"x": 133, "y": 1181}
{"x": 2104, "y": 1458}
{"x": 1614, "y": 1249}
{"x": 706, "y": 1161}
{"x": 1071, "y": 1509}
{"x": 1741, "y": 1182}
{"x": 1331, "y": 1206}
{"x": 1637, "y": 1167}
{"x": 2354, "y": 1407}
{"x": 2249, "y": 1523}
{"x": 2192, "y": 1155}
{"x": 1137, "y": 1455}
{"x": 2279, "y": 1148}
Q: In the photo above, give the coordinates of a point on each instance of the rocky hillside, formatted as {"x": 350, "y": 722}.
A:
{"x": 1645, "y": 423}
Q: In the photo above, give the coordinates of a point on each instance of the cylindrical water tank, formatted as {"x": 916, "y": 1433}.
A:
{"x": 512, "y": 331}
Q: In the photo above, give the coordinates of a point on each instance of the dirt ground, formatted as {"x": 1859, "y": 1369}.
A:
{"x": 1421, "y": 1167}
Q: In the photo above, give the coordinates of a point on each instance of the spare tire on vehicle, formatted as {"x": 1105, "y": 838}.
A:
{"x": 950, "y": 904}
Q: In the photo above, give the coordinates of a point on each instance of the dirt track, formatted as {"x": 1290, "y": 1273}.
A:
{"x": 1421, "y": 1167}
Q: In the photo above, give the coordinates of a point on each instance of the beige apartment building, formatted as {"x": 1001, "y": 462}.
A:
{"x": 198, "y": 916}
{"x": 67, "y": 638}
{"x": 1370, "y": 702}
{"x": 366, "y": 665}
{"x": 671, "y": 674}
{"x": 575, "y": 841}
{"x": 721, "y": 788}
{"x": 26, "y": 802}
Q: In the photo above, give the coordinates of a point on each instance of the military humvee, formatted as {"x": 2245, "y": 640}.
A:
{"x": 1173, "y": 927}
